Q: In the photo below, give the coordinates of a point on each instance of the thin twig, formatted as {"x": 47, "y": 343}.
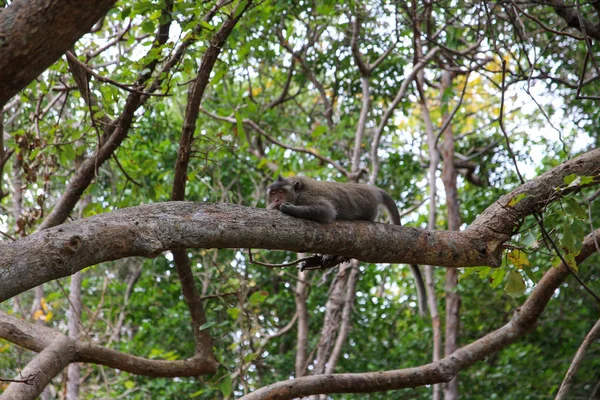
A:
{"x": 268, "y": 265}
{"x": 536, "y": 215}
{"x": 449, "y": 119}
{"x": 101, "y": 78}
{"x": 28, "y": 380}
{"x": 125, "y": 172}
{"x": 590, "y": 338}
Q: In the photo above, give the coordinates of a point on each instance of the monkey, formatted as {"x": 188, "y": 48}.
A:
{"x": 324, "y": 202}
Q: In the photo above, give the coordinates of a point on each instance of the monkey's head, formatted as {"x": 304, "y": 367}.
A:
{"x": 282, "y": 191}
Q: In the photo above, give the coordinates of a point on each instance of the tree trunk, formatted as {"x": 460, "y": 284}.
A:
{"x": 452, "y": 297}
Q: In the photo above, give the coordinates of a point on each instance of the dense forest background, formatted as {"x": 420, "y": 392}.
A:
{"x": 471, "y": 115}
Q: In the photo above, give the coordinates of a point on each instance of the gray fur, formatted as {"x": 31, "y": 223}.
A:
{"x": 307, "y": 198}
{"x": 324, "y": 202}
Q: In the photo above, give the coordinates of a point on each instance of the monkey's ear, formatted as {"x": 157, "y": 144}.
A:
{"x": 297, "y": 186}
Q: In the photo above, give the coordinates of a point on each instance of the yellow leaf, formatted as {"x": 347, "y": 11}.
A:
{"x": 570, "y": 259}
{"x": 518, "y": 258}
{"x": 38, "y": 315}
{"x": 44, "y": 304}
{"x": 48, "y": 316}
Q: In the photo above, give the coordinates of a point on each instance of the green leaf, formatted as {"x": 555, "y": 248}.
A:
{"x": 466, "y": 272}
{"x": 234, "y": 312}
{"x": 319, "y": 131}
{"x": 516, "y": 199}
{"x": 240, "y": 124}
{"x": 147, "y": 26}
{"x": 69, "y": 151}
{"x": 262, "y": 163}
{"x": 483, "y": 272}
{"x": 218, "y": 76}
{"x": 576, "y": 209}
{"x": 206, "y": 325}
{"x": 258, "y": 297}
{"x": 570, "y": 259}
{"x": 241, "y": 7}
{"x": 325, "y": 8}
{"x": 567, "y": 241}
{"x": 586, "y": 180}
{"x": 226, "y": 386}
{"x": 497, "y": 277}
{"x": 529, "y": 274}
{"x": 569, "y": 179}
{"x": 129, "y": 385}
{"x": 205, "y": 25}
{"x": 126, "y": 12}
{"x": 515, "y": 285}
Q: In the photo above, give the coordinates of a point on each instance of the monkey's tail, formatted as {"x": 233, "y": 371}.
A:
{"x": 421, "y": 292}
{"x": 391, "y": 206}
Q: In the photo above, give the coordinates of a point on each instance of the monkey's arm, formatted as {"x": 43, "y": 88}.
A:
{"x": 320, "y": 212}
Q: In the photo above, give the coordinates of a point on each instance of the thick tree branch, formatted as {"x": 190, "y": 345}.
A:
{"x": 45, "y": 366}
{"x": 149, "y": 230}
{"x": 38, "y": 337}
{"x": 523, "y": 322}
{"x": 35, "y": 33}
{"x": 536, "y": 194}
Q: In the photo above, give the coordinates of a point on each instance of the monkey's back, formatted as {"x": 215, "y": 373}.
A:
{"x": 352, "y": 201}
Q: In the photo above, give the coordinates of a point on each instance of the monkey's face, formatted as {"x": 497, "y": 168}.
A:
{"x": 281, "y": 191}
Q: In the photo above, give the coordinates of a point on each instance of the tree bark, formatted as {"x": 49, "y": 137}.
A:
{"x": 300, "y": 296}
{"x": 434, "y": 161}
{"x": 449, "y": 175}
{"x": 45, "y": 366}
{"x": 37, "y": 338}
{"x": 73, "y": 371}
{"x": 35, "y": 33}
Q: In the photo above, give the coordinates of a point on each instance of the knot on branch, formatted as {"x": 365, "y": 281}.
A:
{"x": 72, "y": 245}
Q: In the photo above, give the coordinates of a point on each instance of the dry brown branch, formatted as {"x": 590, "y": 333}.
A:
{"x": 590, "y": 338}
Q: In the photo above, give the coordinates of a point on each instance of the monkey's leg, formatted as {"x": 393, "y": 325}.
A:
{"x": 324, "y": 212}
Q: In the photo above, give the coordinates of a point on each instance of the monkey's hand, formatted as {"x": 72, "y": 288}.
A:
{"x": 320, "y": 212}
{"x": 285, "y": 207}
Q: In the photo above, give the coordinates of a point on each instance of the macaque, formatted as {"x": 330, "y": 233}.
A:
{"x": 324, "y": 202}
